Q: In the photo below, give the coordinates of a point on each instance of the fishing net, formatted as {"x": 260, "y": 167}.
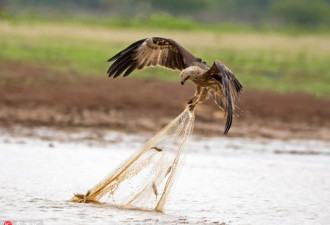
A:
{"x": 144, "y": 180}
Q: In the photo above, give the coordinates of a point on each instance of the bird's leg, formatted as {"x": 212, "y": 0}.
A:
{"x": 191, "y": 102}
{"x": 192, "y": 106}
{"x": 197, "y": 92}
{"x": 191, "y": 99}
{"x": 203, "y": 95}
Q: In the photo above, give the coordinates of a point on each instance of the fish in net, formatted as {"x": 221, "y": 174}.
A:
{"x": 144, "y": 180}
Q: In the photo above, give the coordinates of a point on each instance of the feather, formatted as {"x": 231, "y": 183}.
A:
{"x": 130, "y": 70}
{"x": 226, "y": 92}
{"x": 150, "y": 52}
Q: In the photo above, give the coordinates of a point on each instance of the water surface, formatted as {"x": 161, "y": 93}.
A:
{"x": 222, "y": 180}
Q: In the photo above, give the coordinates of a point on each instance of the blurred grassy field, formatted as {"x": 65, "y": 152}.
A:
{"x": 262, "y": 60}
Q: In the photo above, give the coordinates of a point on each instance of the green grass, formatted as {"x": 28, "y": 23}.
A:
{"x": 276, "y": 62}
{"x": 157, "y": 21}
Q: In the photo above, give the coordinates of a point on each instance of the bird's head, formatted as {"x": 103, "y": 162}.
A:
{"x": 184, "y": 76}
{"x": 191, "y": 73}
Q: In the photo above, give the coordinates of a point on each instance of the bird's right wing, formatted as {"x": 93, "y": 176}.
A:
{"x": 150, "y": 52}
{"x": 227, "y": 91}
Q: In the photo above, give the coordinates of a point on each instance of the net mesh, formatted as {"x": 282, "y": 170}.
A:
{"x": 144, "y": 180}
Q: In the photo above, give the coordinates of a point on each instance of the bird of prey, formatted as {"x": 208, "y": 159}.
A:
{"x": 216, "y": 80}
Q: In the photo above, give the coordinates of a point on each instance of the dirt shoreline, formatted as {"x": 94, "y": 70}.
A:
{"x": 32, "y": 96}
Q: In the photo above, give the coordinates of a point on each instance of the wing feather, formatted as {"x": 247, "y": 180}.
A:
{"x": 127, "y": 50}
{"x": 150, "y": 52}
{"x": 122, "y": 67}
{"x": 226, "y": 92}
{"x": 155, "y": 58}
{"x": 119, "y": 62}
{"x": 130, "y": 69}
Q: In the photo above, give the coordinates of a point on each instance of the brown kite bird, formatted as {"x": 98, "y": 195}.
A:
{"x": 216, "y": 80}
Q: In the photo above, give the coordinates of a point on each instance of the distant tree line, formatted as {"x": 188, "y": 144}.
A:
{"x": 308, "y": 13}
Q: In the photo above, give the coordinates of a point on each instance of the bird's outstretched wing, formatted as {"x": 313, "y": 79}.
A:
{"x": 227, "y": 91}
{"x": 150, "y": 52}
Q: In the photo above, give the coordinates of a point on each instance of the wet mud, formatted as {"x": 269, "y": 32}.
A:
{"x": 33, "y": 96}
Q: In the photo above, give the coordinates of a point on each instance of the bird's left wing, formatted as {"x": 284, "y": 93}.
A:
{"x": 227, "y": 91}
{"x": 150, "y": 52}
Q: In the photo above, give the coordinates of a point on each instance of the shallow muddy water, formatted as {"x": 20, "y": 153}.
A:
{"x": 222, "y": 180}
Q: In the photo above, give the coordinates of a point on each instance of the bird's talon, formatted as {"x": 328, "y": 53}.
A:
{"x": 191, "y": 107}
